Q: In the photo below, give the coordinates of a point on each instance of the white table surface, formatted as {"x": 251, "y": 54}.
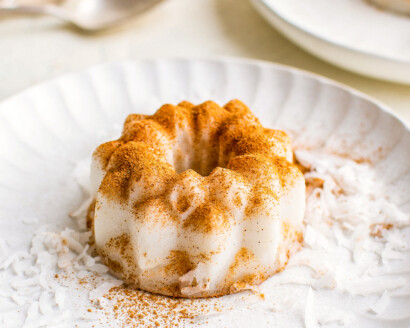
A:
{"x": 34, "y": 49}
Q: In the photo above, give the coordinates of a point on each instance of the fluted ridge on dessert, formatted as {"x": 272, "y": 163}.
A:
{"x": 185, "y": 192}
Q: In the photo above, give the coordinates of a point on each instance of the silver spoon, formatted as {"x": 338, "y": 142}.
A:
{"x": 90, "y": 15}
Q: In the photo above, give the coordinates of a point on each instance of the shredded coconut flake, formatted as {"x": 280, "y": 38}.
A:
{"x": 102, "y": 289}
{"x": 374, "y": 286}
{"x": 60, "y": 296}
{"x": 310, "y": 321}
{"x": 382, "y": 303}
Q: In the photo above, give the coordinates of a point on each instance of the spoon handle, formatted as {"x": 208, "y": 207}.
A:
{"x": 34, "y": 10}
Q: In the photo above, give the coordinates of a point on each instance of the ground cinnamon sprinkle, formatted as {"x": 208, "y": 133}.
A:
{"x": 242, "y": 256}
{"x": 208, "y": 218}
{"x": 183, "y": 203}
{"x": 179, "y": 263}
{"x": 376, "y": 230}
{"x": 136, "y": 308}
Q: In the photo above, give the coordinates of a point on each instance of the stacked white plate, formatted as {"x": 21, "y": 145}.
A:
{"x": 352, "y": 34}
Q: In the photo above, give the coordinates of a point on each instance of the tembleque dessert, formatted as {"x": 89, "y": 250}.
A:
{"x": 196, "y": 201}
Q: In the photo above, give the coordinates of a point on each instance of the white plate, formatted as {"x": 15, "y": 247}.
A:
{"x": 351, "y": 34}
{"x": 47, "y": 129}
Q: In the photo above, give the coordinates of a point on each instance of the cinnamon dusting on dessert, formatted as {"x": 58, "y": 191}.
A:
{"x": 244, "y": 255}
{"x": 191, "y": 169}
{"x": 207, "y": 218}
{"x": 179, "y": 263}
{"x": 132, "y": 162}
{"x": 122, "y": 246}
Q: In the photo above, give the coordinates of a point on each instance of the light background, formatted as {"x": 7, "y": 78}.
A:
{"x": 34, "y": 49}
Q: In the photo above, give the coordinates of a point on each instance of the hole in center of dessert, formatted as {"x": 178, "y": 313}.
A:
{"x": 200, "y": 167}
{"x": 202, "y": 158}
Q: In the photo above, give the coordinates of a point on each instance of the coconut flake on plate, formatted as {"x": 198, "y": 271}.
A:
{"x": 310, "y": 319}
{"x": 60, "y": 295}
{"x": 314, "y": 238}
{"x": 104, "y": 288}
{"x": 373, "y": 286}
{"x": 381, "y": 304}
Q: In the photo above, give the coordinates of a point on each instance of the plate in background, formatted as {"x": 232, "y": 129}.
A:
{"x": 351, "y": 34}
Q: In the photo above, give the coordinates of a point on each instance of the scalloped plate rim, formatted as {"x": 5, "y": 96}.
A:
{"x": 223, "y": 59}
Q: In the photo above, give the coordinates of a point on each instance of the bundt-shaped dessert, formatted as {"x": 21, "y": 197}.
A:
{"x": 196, "y": 201}
{"x": 400, "y": 6}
